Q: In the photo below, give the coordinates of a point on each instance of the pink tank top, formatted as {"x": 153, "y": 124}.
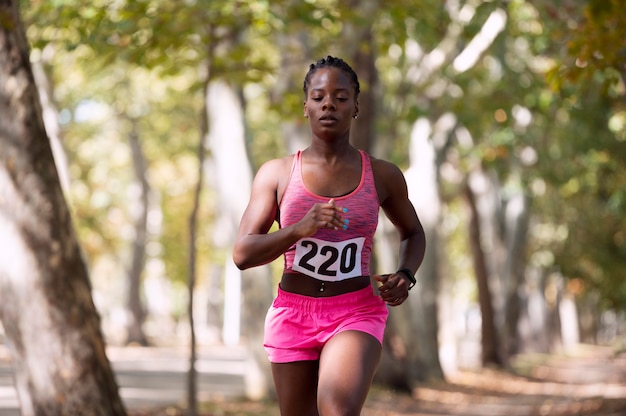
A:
{"x": 332, "y": 255}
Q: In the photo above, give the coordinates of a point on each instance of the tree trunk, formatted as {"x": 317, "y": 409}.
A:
{"x": 516, "y": 227}
{"x": 135, "y": 305}
{"x": 192, "y": 374}
{"x": 360, "y": 47}
{"x": 50, "y": 321}
{"x": 294, "y": 64}
{"x": 51, "y": 116}
{"x": 533, "y": 322}
{"x": 363, "y": 61}
{"x": 423, "y": 183}
{"x": 232, "y": 181}
{"x": 411, "y": 355}
{"x": 489, "y": 340}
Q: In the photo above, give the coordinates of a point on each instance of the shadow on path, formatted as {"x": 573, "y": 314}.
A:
{"x": 589, "y": 381}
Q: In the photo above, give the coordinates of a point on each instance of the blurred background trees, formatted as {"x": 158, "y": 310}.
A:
{"x": 509, "y": 118}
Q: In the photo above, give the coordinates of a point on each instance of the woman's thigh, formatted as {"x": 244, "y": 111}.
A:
{"x": 296, "y": 387}
{"x": 347, "y": 367}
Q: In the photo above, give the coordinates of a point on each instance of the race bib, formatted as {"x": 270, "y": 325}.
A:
{"x": 329, "y": 261}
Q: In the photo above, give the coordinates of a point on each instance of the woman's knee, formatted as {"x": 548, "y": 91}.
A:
{"x": 339, "y": 402}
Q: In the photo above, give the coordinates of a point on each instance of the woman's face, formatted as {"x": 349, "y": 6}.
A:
{"x": 330, "y": 103}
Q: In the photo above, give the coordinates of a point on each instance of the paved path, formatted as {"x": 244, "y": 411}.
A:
{"x": 150, "y": 377}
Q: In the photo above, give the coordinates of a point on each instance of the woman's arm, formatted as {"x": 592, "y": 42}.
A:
{"x": 254, "y": 246}
{"x": 394, "y": 200}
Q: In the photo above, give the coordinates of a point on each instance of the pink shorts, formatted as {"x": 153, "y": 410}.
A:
{"x": 298, "y": 326}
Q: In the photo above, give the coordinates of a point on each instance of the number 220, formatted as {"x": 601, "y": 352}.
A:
{"x": 347, "y": 258}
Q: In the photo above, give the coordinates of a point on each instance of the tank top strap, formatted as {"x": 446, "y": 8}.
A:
{"x": 297, "y": 161}
{"x": 296, "y": 167}
{"x": 368, "y": 173}
{"x": 295, "y": 176}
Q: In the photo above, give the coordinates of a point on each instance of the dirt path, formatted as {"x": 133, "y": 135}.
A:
{"x": 589, "y": 381}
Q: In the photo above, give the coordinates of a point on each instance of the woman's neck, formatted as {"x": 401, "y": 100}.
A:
{"x": 331, "y": 150}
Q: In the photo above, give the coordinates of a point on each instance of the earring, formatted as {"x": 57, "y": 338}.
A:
{"x": 355, "y": 116}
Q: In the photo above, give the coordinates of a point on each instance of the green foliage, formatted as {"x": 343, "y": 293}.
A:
{"x": 588, "y": 173}
{"x": 598, "y": 46}
{"x": 587, "y": 152}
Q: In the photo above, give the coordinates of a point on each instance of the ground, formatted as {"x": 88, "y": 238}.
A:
{"x": 590, "y": 381}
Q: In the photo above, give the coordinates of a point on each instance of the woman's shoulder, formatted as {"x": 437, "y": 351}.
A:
{"x": 275, "y": 171}
{"x": 388, "y": 177}
{"x": 277, "y": 164}
{"x": 384, "y": 169}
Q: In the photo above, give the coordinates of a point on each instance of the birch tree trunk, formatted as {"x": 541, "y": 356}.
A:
{"x": 422, "y": 180}
{"x": 411, "y": 353}
{"x": 50, "y": 321}
{"x": 232, "y": 181}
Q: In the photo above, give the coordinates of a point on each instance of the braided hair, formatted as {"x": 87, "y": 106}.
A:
{"x": 332, "y": 62}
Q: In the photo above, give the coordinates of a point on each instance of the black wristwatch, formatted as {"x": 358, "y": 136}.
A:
{"x": 409, "y": 274}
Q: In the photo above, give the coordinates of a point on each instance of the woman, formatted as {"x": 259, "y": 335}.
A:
{"x": 323, "y": 332}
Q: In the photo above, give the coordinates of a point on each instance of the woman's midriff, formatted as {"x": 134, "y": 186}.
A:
{"x": 309, "y": 286}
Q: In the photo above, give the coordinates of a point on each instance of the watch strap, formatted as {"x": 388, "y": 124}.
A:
{"x": 409, "y": 274}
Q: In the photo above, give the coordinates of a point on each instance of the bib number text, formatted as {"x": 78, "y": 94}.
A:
{"x": 327, "y": 260}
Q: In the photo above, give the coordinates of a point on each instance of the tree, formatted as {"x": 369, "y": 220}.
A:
{"x": 589, "y": 77}
{"x": 47, "y": 311}
{"x": 489, "y": 339}
{"x": 135, "y": 271}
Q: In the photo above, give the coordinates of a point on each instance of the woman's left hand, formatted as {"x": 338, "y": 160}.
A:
{"x": 394, "y": 288}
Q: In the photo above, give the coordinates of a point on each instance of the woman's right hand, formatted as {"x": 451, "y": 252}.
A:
{"x": 323, "y": 215}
